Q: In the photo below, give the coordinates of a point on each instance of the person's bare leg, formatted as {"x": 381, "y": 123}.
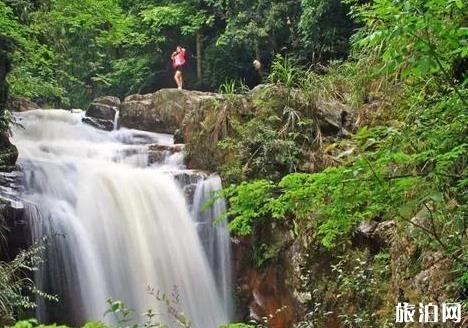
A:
{"x": 176, "y": 78}
{"x": 181, "y": 80}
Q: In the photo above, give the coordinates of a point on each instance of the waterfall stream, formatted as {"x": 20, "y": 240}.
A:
{"x": 117, "y": 225}
{"x": 215, "y": 241}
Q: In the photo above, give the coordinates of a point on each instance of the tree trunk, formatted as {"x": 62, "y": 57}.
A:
{"x": 199, "y": 57}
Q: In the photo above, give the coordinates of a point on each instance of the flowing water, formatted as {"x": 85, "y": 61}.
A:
{"x": 117, "y": 225}
{"x": 215, "y": 241}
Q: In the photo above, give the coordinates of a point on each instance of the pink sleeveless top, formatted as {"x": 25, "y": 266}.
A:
{"x": 179, "y": 59}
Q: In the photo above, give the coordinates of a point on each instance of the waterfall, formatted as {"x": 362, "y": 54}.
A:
{"x": 116, "y": 119}
{"x": 214, "y": 236}
{"x": 115, "y": 224}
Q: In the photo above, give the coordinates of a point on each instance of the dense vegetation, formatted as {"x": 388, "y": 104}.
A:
{"x": 404, "y": 161}
{"x": 67, "y": 53}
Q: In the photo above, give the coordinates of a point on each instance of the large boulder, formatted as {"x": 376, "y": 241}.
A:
{"x": 21, "y": 105}
{"x": 163, "y": 111}
{"x": 108, "y": 100}
{"x": 169, "y": 110}
{"x": 103, "y": 108}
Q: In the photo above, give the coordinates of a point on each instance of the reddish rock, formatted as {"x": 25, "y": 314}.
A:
{"x": 269, "y": 298}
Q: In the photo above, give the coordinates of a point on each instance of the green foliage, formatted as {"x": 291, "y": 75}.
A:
{"x": 256, "y": 24}
{"x": 397, "y": 169}
{"x": 352, "y": 290}
{"x": 233, "y": 87}
{"x": 66, "y": 52}
{"x": 416, "y": 39}
{"x": 16, "y": 289}
{"x": 177, "y": 15}
{"x": 33, "y": 323}
{"x": 237, "y": 325}
{"x": 260, "y": 151}
{"x": 285, "y": 71}
{"x": 248, "y": 202}
{"x": 125, "y": 317}
{"x": 325, "y": 28}
{"x": 9, "y": 25}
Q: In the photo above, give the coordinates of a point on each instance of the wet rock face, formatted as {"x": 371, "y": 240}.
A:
{"x": 98, "y": 123}
{"x": 188, "y": 181}
{"x": 12, "y": 216}
{"x": 157, "y": 153}
{"x": 266, "y": 292}
{"x": 269, "y": 300}
{"x": 101, "y": 113}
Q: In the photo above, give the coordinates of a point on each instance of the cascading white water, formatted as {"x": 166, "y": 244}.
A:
{"x": 117, "y": 226}
{"x": 214, "y": 236}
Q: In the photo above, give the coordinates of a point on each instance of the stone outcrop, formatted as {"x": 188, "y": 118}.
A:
{"x": 424, "y": 281}
{"x": 12, "y": 212}
{"x": 172, "y": 110}
{"x": 21, "y": 105}
{"x": 101, "y": 112}
{"x": 103, "y": 108}
{"x": 8, "y": 153}
{"x": 165, "y": 110}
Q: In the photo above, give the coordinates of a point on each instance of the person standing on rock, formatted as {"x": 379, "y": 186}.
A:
{"x": 178, "y": 61}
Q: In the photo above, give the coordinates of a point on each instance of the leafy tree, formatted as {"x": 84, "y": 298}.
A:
{"x": 325, "y": 28}
{"x": 189, "y": 18}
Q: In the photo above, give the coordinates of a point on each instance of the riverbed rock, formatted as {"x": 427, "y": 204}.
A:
{"x": 102, "y": 110}
{"x": 98, "y": 123}
{"x": 157, "y": 153}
